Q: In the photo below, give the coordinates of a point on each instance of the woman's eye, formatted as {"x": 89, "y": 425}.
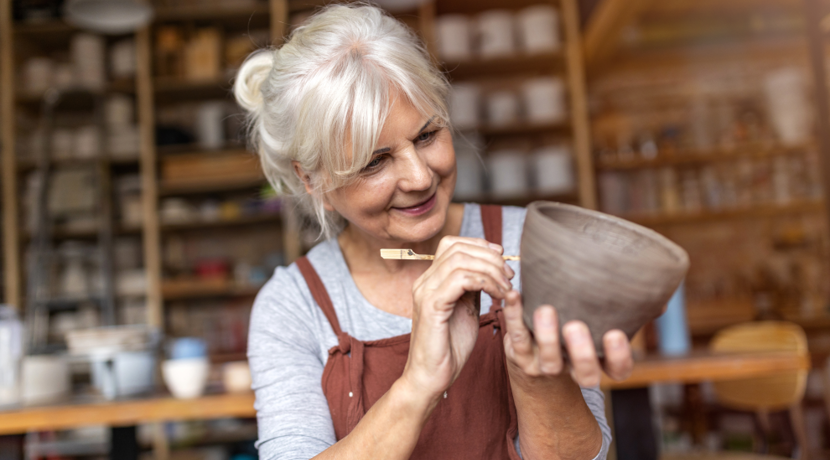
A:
{"x": 376, "y": 161}
{"x": 426, "y": 136}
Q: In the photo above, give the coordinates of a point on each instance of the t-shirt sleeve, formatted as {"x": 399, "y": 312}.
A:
{"x": 286, "y": 368}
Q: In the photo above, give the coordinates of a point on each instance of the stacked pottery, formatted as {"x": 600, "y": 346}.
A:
{"x": 186, "y": 372}
{"x": 592, "y": 267}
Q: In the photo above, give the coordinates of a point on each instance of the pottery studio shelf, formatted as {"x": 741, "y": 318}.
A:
{"x": 194, "y": 288}
{"x": 504, "y": 67}
{"x": 759, "y": 211}
{"x": 694, "y": 157}
{"x": 198, "y": 225}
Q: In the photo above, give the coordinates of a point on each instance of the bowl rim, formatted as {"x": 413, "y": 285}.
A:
{"x": 682, "y": 257}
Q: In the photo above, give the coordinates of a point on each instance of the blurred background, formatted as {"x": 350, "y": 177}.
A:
{"x": 137, "y": 227}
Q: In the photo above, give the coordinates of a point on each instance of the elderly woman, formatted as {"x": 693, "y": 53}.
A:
{"x": 354, "y": 356}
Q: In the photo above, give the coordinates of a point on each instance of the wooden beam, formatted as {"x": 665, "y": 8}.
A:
{"x": 279, "y": 21}
{"x": 11, "y": 242}
{"x": 817, "y": 43}
{"x": 579, "y": 106}
{"x": 602, "y": 35}
{"x": 149, "y": 181}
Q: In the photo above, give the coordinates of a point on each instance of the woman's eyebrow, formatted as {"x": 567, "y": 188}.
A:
{"x": 388, "y": 149}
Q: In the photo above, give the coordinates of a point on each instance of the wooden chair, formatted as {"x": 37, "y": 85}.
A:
{"x": 763, "y": 395}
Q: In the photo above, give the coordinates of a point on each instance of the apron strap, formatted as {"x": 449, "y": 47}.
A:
{"x": 318, "y": 291}
{"x": 491, "y": 219}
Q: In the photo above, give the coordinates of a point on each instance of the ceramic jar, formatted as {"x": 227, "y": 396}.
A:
{"x": 596, "y": 268}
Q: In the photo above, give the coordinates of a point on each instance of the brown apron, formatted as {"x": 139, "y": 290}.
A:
{"x": 477, "y": 417}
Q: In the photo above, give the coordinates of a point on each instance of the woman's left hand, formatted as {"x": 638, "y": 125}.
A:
{"x": 542, "y": 357}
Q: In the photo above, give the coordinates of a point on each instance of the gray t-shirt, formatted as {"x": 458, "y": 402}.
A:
{"x": 290, "y": 337}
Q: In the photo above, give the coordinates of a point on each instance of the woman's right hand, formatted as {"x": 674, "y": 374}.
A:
{"x": 445, "y": 317}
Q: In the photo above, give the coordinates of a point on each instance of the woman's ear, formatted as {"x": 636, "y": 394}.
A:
{"x": 298, "y": 170}
{"x": 306, "y": 178}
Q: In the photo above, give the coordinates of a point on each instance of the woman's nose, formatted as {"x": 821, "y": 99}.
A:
{"x": 417, "y": 174}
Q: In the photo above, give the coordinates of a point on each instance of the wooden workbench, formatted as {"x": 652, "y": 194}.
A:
{"x": 125, "y": 413}
{"x": 704, "y": 366}
{"x": 693, "y": 368}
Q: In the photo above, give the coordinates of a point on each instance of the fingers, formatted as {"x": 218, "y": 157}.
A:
{"x": 449, "y": 241}
{"x": 471, "y": 258}
{"x": 461, "y": 281}
{"x": 585, "y": 367}
{"x": 546, "y": 328}
{"x": 618, "y": 360}
{"x": 519, "y": 344}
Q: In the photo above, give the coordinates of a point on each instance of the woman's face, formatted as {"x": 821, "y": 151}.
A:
{"x": 404, "y": 194}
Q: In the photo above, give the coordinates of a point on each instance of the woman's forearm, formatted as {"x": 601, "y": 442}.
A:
{"x": 390, "y": 429}
{"x": 554, "y": 420}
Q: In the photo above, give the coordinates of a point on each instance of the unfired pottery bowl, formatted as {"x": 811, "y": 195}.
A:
{"x": 605, "y": 271}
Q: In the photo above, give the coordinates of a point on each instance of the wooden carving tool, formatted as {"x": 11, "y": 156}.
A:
{"x": 408, "y": 254}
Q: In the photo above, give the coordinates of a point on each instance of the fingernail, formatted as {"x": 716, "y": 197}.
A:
{"x": 576, "y": 333}
{"x": 495, "y": 247}
{"x": 509, "y": 271}
{"x": 617, "y": 341}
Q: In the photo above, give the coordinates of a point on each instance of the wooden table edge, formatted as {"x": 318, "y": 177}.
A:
{"x": 708, "y": 367}
{"x": 125, "y": 413}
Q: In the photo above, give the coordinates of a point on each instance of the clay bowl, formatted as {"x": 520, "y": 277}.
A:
{"x": 605, "y": 271}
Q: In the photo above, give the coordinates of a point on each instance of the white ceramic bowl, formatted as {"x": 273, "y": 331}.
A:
{"x": 236, "y": 377}
{"x": 186, "y": 378}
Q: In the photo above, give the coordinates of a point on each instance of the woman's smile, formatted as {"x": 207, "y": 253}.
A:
{"x": 420, "y": 208}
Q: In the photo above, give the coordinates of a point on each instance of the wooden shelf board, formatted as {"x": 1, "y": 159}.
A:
{"x": 124, "y": 413}
{"x": 209, "y": 12}
{"x": 27, "y": 164}
{"x": 83, "y": 234}
{"x": 512, "y": 65}
{"x": 703, "y": 157}
{"x": 175, "y": 84}
{"x": 46, "y": 27}
{"x": 807, "y": 206}
{"x": 220, "y": 223}
{"x": 219, "y": 358}
{"x": 522, "y": 200}
{"x": 468, "y": 7}
{"x": 524, "y": 129}
{"x": 195, "y": 149}
{"x": 194, "y": 288}
{"x": 195, "y": 188}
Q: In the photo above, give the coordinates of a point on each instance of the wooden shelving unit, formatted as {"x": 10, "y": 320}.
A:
{"x": 759, "y": 211}
{"x": 566, "y": 63}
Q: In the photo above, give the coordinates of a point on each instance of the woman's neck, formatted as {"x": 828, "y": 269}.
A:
{"x": 363, "y": 250}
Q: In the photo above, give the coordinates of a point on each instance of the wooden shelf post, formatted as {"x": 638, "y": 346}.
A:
{"x": 149, "y": 181}
{"x": 11, "y": 247}
{"x": 579, "y": 106}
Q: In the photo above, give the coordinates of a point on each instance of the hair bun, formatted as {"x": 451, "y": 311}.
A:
{"x": 247, "y": 89}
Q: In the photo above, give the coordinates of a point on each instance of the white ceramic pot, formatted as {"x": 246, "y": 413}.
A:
{"x": 502, "y": 108}
{"x": 789, "y": 108}
{"x": 469, "y": 183}
{"x": 45, "y": 379}
{"x": 210, "y": 129}
{"x": 545, "y": 99}
{"x": 508, "y": 173}
{"x": 236, "y": 377}
{"x": 186, "y": 378}
{"x": 453, "y": 34}
{"x": 553, "y": 170}
{"x": 538, "y": 28}
{"x": 495, "y": 34}
{"x": 464, "y": 106}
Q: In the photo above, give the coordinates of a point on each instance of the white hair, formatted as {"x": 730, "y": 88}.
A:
{"x": 327, "y": 92}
